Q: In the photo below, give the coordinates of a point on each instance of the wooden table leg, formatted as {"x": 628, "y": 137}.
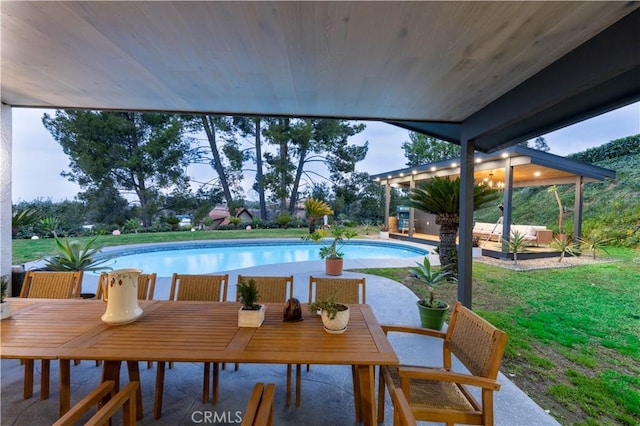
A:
{"x": 111, "y": 371}
{"x": 65, "y": 386}
{"x": 28, "y": 378}
{"x": 134, "y": 376}
{"x": 356, "y": 393}
{"x": 157, "y": 397}
{"x": 367, "y": 394}
{"x": 44, "y": 378}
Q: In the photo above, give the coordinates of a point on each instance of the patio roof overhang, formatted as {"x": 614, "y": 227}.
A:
{"x": 530, "y": 168}
{"x": 484, "y": 75}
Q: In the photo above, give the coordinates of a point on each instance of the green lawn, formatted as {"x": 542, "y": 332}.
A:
{"x": 574, "y": 333}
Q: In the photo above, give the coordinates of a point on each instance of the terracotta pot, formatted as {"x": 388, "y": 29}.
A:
{"x": 333, "y": 266}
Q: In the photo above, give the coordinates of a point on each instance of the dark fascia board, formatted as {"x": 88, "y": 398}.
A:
{"x": 446, "y": 131}
{"x": 600, "y": 75}
{"x": 537, "y": 157}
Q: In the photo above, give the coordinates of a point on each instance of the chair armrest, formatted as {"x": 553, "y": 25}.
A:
{"x": 125, "y": 397}
{"x": 415, "y": 330}
{"x": 85, "y": 404}
{"x": 425, "y": 373}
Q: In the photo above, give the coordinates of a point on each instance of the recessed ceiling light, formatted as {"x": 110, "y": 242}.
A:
{"x": 536, "y": 174}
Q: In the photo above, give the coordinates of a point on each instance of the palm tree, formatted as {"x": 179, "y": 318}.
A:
{"x": 441, "y": 196}
{"x": 315, "y": 209}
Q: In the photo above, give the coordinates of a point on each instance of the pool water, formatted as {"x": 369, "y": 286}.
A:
{"x": 217, "y": 257}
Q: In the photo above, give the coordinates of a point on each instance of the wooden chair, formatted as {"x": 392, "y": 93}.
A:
{"x": 402, "y": 414}
{"x": 211, "y": 288}
{"x": 108, "y": 401}
{"x": 272, "y": 289}
{"x": 47, "y": 285}
{"x": 346, "y": 290}
{"x": 259, "y": 411}
{"x": 440, "y": 394}
{"x": 146, "y": 288}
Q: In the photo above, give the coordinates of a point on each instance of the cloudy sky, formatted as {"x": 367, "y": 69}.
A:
{"x": 38, "y": 159}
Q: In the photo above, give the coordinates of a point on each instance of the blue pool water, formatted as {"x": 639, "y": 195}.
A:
{"x": 210, "y": 257}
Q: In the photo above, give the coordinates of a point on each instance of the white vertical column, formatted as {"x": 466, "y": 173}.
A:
{"x": 5, "y": 193}
{"x": 412, "y": 213}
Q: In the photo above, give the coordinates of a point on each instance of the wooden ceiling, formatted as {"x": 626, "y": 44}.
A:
{"x": 441, "y": 62}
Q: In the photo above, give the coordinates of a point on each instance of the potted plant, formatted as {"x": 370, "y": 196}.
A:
{"x": 335, "y": 316}
{"x": 251, "y": 314}
{"x": 5, "y": 305}
{"x": 432, "y": 311}
{"x": 384, "y": 231}
{"x": 331, "y": 250}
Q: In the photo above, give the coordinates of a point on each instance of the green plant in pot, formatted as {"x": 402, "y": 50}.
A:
{"x": 251, "y": 314}
{"x": 335, "y": 316}
{"x": 331, "y": 250}
{"x": 432, "y": 311}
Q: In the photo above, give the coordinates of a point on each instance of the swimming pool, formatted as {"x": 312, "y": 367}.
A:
{"x": 216, "y": 256}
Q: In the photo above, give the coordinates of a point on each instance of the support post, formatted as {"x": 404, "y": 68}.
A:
{"x": 507, "y": 204}
{"x": 5, "y": 194}
{"x": 465, "y": 263}
{"x": 412, "y": 213}
{"x": 577, "y": 210}
{"x": 387, "y": 202}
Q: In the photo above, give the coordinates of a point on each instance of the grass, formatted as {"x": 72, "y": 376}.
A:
{"x": 574, "y": 333}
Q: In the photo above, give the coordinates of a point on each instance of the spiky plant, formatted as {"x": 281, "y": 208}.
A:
{"x": 248, "y": 295}
{"x": 315, "y": 209}
{"x": 50, "y": 224}
{"x": 24, "y": 217}
{"x": 440, "y": 196}
{"x": 432, "y": 278}
{"x": 516, "y": 243}
{"x": 563, "y": 245}
{"x": 593, "y": 242}
{"x": 76, "y": 256}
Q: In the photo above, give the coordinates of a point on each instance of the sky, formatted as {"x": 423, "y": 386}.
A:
{"x": 38, "y": 159}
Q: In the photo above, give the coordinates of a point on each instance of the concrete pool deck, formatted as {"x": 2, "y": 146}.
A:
{"x": 327, "y": 397}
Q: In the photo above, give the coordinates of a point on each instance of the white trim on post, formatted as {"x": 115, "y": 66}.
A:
{"x": 5, "y": 192}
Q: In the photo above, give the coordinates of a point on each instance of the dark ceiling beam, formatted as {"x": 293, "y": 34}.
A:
{"x": 449, "y": 132}
{"x": 600, "y": 75}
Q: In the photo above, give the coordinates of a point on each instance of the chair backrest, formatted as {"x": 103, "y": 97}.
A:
{"x": 259, "y": 411}
{"x": 211, "y": 288}
{"x": 52, "y": 285}
{"x": 146, "y": 286}
{"x": 271, "y": 289}
{"x": 125, "y": 398}
{"x": 402, "y": 413}
{"x": 346, "y": 290}
{"x": 475, "y": 342}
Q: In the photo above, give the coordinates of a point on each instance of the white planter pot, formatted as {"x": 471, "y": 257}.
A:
{"x": 122, "y": 301}
{"x": 251, "y": 318}
{"x": 336, "y": 325}
{"x": 384, "y": 235}
{"x": 476, "y": 251}
{"x": 5, "y": 309}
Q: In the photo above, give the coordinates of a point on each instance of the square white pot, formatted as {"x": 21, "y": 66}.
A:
{"x": 476, "y": 251}
{"x": 251, "y": 318}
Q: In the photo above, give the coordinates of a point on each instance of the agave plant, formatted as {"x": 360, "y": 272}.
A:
{"x": 593, "y": 242}
{"x": 76, "y": 256}
{"x": 563, "y": 245}
{"x": 432, "y": 278}
{"x": 516, "y": 243}
{"x": 24, "y": 217}
{"x": 50, "y": 224}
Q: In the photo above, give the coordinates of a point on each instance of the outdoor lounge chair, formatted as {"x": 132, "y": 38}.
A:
{"x": 108, "y": 402}
{"x": 441, "y": 394}
{"x": 211, "y": 288}
{"x": 272, "y": 289}
{"x": 47, "y": 285}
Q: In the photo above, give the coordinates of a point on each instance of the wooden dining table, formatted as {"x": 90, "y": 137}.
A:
{"x": 182, "y": 331}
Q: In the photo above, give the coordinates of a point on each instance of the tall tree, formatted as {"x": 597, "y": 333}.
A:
{"x": 252, "y": 126}
{"x": 423, "y": 149}
{"x": 223, "y": 153}
{"x": 300, "y": 143}
{"x": 143, "y": 153}
{"x": 538, "y": 143}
